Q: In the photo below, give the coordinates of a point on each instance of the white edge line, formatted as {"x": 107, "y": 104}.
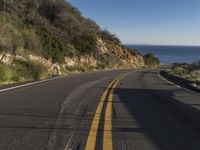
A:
{"x": 175, "y": 84}
{"x": 28, "y": 84}
{"x": 32, "y": 83}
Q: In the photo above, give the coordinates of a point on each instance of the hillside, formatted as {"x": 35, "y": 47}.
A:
{"x": 44, "y": 35}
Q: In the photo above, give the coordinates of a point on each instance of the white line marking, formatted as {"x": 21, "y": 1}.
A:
{"x": 32, "y": 83}
{"x": 28, "y": 84}
{"x": 176, "y": 84}
{"x": 69, "y": 145}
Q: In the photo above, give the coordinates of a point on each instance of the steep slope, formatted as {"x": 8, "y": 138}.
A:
{"x": 54, "y": 32}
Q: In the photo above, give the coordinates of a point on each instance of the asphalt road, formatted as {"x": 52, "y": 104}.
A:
{"x": 102, "y": 110}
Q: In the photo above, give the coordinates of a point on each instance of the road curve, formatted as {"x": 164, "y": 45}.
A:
{"x": 119, "y": 110}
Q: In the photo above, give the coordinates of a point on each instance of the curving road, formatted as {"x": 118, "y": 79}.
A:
{"x": 119, "y": 110}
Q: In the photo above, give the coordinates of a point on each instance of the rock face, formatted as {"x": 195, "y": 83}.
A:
{"x": 82, "y": 61}
{"x": 108, "y": 55}
{"x": 116, "y": 56}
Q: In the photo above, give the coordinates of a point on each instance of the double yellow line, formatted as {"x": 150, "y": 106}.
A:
{"x": 107, "y": 134}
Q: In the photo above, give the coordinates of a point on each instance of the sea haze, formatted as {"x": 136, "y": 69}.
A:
{"x": 171, "y": 54}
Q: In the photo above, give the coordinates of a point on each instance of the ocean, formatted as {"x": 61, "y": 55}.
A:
{"x": 171, "y": 54}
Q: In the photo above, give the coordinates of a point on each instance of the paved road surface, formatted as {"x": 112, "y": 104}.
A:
{"x": 104, "y": 110}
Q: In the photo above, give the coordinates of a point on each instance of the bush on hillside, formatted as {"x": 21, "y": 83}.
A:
{"x": 187, "y": 71}
{"x": 184, "y": 68}
{"x": 53, "y": 48}
{"x": 194, "y": 66}
{"x": 10, "y": 38}
{"x": 85, "y": 43}
{"x": 28, "y": 70}
{"x": 31, "y": 41}
{"x": 14, "y": 37}
{"x": 5, "y": 73}
{"x": 179, "y": 69}
{"x": 151, "y": 60}
{"x": 106, "y": 35}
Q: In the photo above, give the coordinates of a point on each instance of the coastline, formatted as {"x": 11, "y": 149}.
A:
{"x": 169, "y": 54}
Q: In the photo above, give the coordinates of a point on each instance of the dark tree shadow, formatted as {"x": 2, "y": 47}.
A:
{"x": 162, "y": 118}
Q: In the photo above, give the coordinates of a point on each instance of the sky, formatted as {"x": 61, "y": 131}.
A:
{"x": 154, "y": 22}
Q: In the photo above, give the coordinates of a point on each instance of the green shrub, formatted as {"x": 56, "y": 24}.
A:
{"x": 39, "y": 71}
{"x": 151, "y": 60}
{"x": 31, "y": 41}
{"x": 28, "y": 70}
{"x": 10, "y": 38}
{"x": 5, "y": 73}
{"x": 188, "y": 71}
{"x": 23, "y": 69}
{"x": 194, "y": 66}
{"x": 179, "y": 69}
{"x": 85, "y": 43}
{"x": 71, "y": 50}
{"x": 53, "y": 47}
{"x": 100, "y": 66}
{"x": 106, "y": 35}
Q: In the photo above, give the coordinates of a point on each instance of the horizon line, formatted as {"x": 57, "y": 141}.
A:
{"x": 164, "y": 44}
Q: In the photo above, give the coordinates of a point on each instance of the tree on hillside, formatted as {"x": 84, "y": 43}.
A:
{"x": 151, "y": 60}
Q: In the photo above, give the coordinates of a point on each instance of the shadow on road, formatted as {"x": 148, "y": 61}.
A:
{"x": 158, "y": 114}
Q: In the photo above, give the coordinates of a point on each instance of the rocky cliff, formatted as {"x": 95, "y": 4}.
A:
{"x": 106, "y": 56}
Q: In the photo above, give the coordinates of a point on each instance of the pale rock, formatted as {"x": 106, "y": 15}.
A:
{"x": 6, "y": 58}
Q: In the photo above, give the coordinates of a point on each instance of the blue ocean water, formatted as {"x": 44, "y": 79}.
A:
{"x": 171, "y": 54}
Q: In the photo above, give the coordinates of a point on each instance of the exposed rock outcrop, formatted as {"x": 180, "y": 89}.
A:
{"x": 114, "y": 55}
{"x": 108, "y": 55}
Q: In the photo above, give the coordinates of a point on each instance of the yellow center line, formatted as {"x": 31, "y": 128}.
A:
{"x": 91, "y": 141}
{"x": 107, "y": 138}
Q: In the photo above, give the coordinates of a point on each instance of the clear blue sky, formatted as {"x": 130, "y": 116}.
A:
{"x": 162, "y": 22}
